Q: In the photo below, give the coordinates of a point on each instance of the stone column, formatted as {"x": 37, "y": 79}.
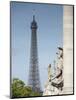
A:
{"x": 68, "y": 49}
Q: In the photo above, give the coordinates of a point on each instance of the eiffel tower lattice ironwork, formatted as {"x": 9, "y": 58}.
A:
{"x": 34, "y": 78}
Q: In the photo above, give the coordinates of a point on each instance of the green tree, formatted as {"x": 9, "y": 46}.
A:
{"x": 19, "y": 89}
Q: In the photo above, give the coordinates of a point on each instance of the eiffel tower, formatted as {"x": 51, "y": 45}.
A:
{"x": 34, "y": 79}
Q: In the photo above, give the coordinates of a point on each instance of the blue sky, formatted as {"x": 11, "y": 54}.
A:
{"x": 49, "y": 19}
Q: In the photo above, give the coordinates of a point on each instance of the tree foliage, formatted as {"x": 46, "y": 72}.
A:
{"x": 19, "y": 89}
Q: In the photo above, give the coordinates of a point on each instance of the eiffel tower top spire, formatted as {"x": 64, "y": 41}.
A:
{"x": 33, "y": 17}
{"x": 34, "y": 23}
